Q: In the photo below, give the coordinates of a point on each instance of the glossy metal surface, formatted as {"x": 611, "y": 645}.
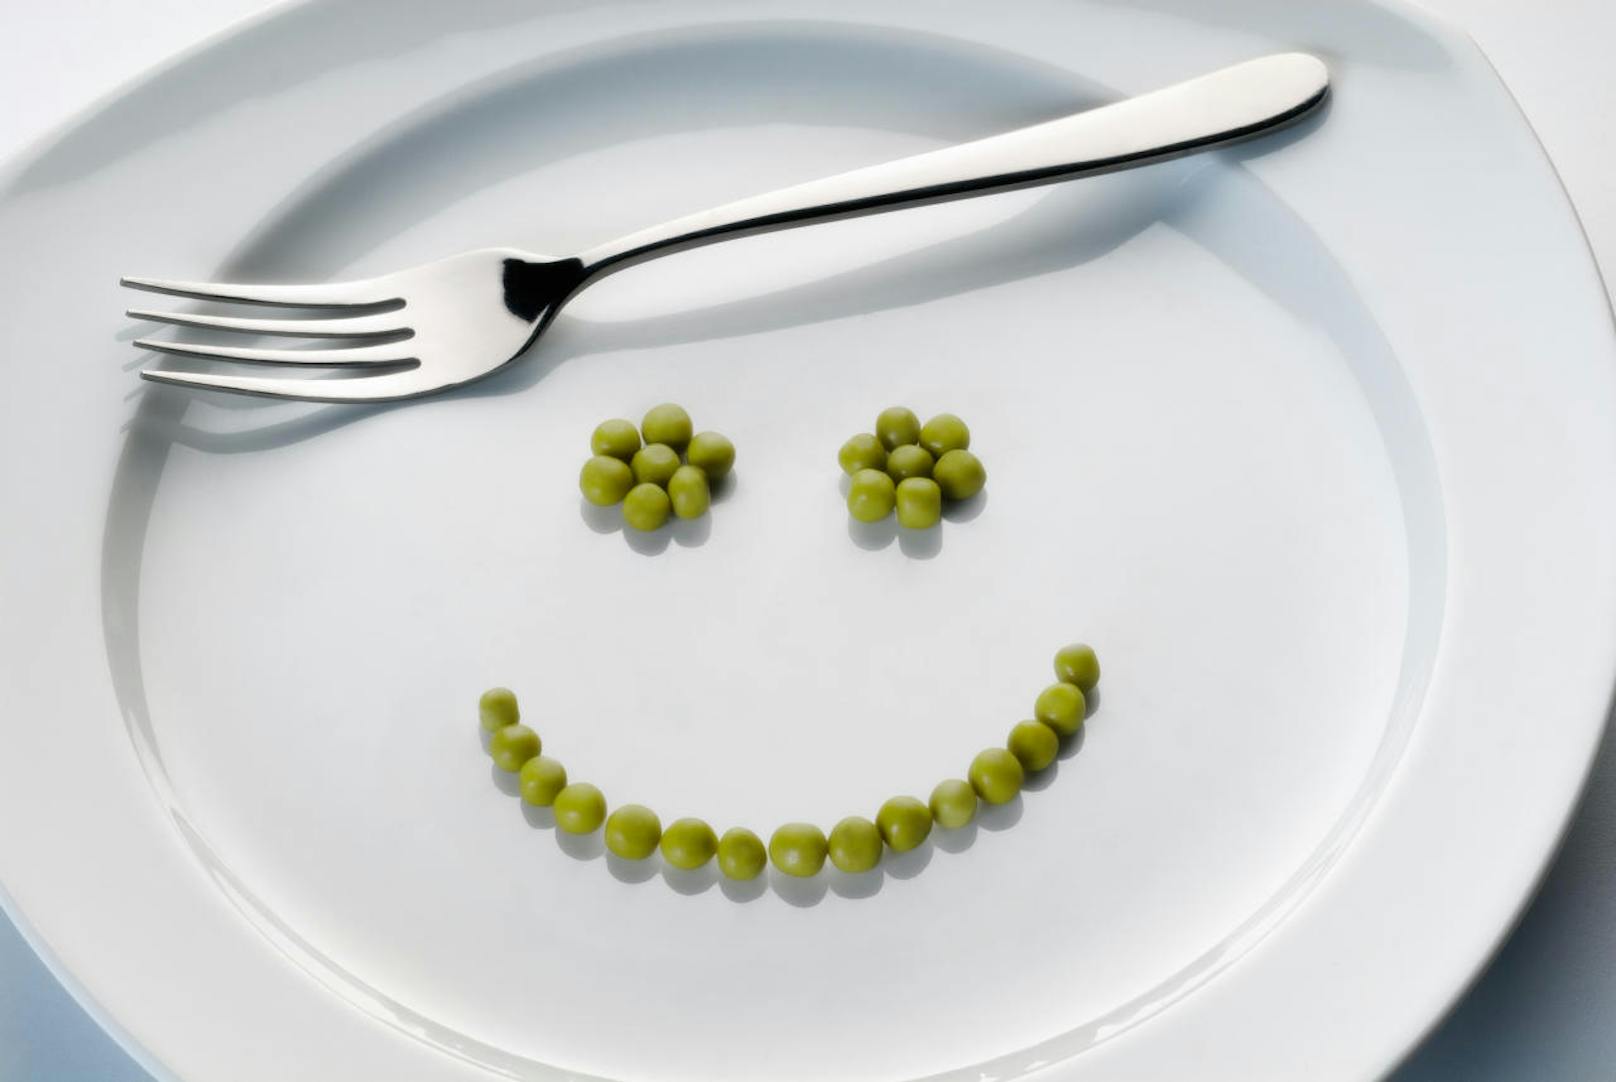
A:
{"x": 446, "y": 323}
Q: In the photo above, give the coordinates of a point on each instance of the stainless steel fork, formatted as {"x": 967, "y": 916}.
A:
{"x": 446, "y": 323}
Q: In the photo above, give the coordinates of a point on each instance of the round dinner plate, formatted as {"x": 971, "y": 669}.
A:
{"x": 1313, "y": 439}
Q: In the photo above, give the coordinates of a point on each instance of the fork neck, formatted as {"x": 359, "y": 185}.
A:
{"x": 533, "y": 290}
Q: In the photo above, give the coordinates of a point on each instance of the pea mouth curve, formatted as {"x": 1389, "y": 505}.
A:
{"x": 633, "y": 834}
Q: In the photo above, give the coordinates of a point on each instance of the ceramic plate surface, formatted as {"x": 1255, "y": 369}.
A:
{"x": 1312, "y": 439}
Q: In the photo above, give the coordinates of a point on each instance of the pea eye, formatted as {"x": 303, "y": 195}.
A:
{"x": 927, "y": 465}
{"x": 651, "y": 480}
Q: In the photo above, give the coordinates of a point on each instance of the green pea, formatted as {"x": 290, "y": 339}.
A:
{"x": 580, "y": 808}
{"x": 655, "y": 464}
{"x": 798, "y": 849}
{"x": 908, "y": 461}
{"x": 667, "y": 424}
{"x": 855, "y": 844}
{"x": 953, "y": 803}
{"x": 920, "y": 503}
{"x": 688, "y": 492}
{"x": 646, "y": 507}
{"x": 959, "y": 474}
{"x": 862, "y": 452}
{"x": 513, "y": 745}
{"x": 632, "y": 832}
{"x": 617, "y": 438}
{"x": 690, "y": 843}
{"x": 897, "y": 426}
{"x": 905, "y": 822}
{"x": 541, "y": 779}
{"x": 1034, "y": 745}
{"x": 870, "y": 496}
{"x": 996, "y": 775}
{"x": 712, "y": 453}
{"x": 1076, "y": 664}
{"x": 945, "y": 433}
{"x": 497, "y": 708}
{"x": 604, "y": 481}
{"x": 1061, "y": 707}
{"x": 741, "y": 854}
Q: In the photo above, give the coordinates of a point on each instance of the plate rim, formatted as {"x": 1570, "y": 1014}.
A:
{"x": 243, "y": 27}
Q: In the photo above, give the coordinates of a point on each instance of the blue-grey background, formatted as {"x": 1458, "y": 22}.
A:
{"x": 1544, "y": 1010}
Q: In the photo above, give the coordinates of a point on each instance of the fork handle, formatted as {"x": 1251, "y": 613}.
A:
{"x": 1213, "y": 110}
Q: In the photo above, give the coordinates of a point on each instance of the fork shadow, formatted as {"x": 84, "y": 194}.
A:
{"x": 1068, "y": 226}
{"x": 1065, "y": 228}
{"x": 495, "y": 131}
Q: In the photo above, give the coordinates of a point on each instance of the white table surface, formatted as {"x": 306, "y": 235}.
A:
{"x": 1544, "y": 1007}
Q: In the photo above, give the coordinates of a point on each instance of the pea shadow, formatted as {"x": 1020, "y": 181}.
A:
{"x": 744, "y": 890}
{"x": 505, "y": 781}
{"x": 690, "y": 881}
{"x": 916, "y": 544}
{"x": 591, "y": 846}
{"x": 957, "y": 840}
{"x": 631, "y": 871}
{"x": 909, "y": 864}
{"x": 686, "y": 533}
{"x": 856, "y": 885}
{"x": 801, "y": 892}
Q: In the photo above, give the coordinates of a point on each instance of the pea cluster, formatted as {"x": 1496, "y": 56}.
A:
{"x": 910, "y": 466}
{"x": 671, "y": 470}
{"x": 854, "y": 844}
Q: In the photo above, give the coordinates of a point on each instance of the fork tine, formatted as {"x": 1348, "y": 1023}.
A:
{"x": 362, "y": 294}
{"x": 368, "y": 387}
{"x": 344, "y": 327}
{"x": 343, "y": 357}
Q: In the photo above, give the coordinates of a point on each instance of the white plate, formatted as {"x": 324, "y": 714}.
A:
{"x": 1313, "y": 440}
